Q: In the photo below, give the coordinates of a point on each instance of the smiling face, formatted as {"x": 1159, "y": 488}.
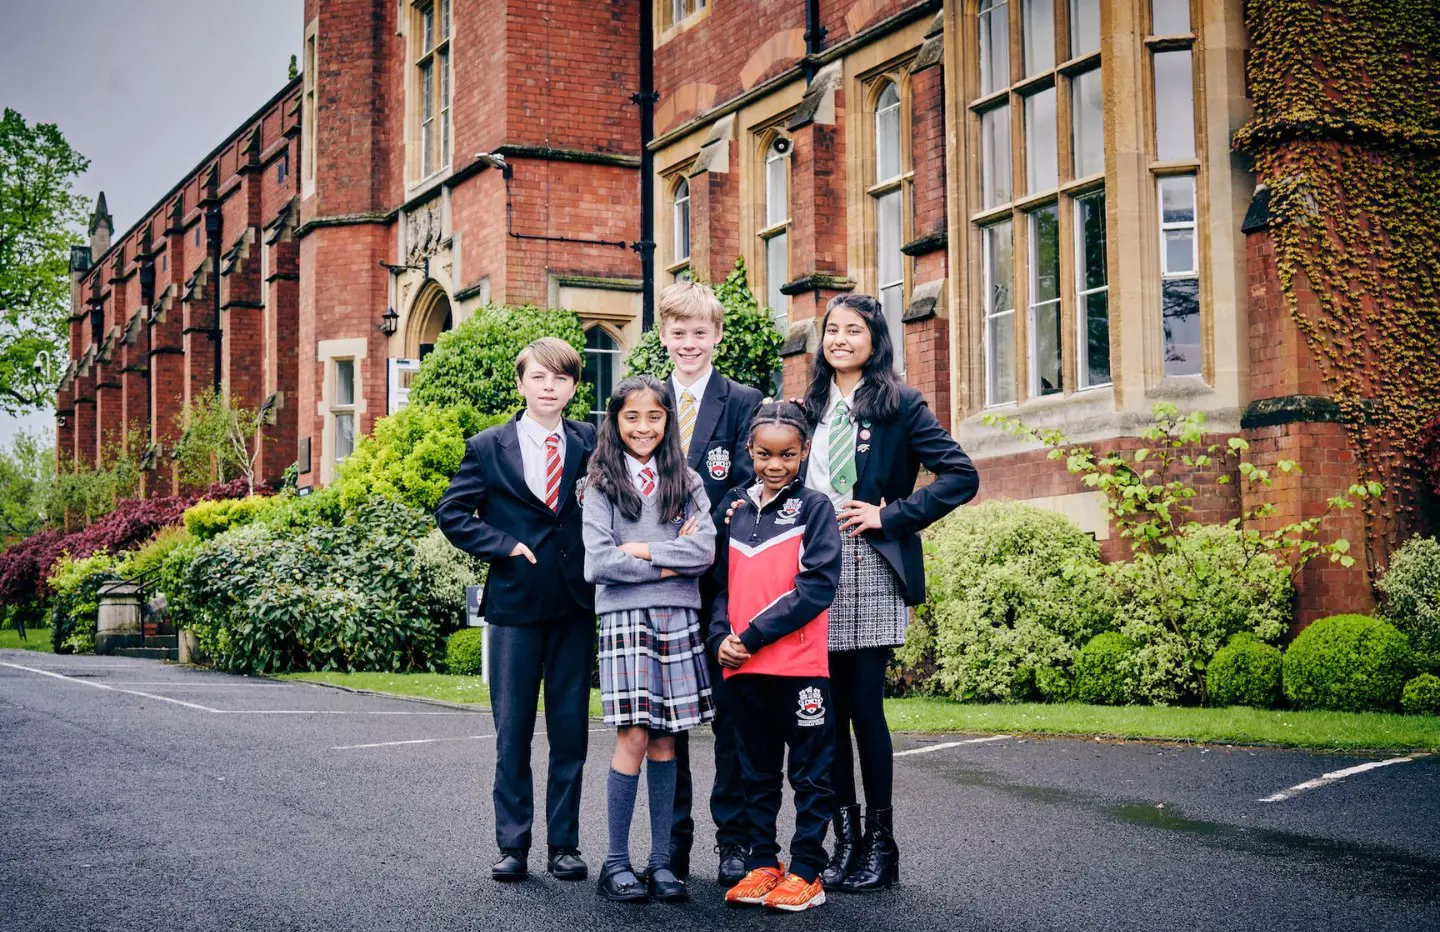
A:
{"x": 691, "y": 343}
{"x": 846, "y": 341}
{"x": 546, "y": 393}
{"x": 777, "y": 451}
{"x": 641, "y": 424}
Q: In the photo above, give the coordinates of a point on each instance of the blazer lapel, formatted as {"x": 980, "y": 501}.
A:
{"x": 514, "y": 464}
{"x": 712, "y": 405}
{"x": 573, "y": 453}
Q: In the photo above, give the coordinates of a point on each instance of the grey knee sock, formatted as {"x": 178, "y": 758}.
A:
{"x": 620, "y": 791}
{"x": 660, "y": 778}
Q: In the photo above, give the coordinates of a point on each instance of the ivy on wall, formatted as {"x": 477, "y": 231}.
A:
{"x": 1346, "y": 134}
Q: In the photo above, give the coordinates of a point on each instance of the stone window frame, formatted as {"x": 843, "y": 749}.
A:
{"x": 1023, "y": 204}
{"x": 597, "y": 407}
{"x": 873, "y": 85}
{"x": 328, "y": 352}
{"x": 673, "y": 17}
{"x": 438, "y": 61}
{"x": 768, "y": 230}
{"x": 679, "y": 267}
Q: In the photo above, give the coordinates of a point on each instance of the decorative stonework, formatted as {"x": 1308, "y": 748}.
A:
{"x": 424, "y": 231}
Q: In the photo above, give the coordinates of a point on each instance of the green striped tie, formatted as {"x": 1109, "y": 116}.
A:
{"x": 842, "y": 450}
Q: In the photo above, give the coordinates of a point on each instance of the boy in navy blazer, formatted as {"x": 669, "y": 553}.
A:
{"x": 715, "y": 414}
{"x": 515, "y": 503}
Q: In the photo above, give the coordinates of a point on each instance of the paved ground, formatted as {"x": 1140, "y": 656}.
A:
{"x": 178, "y": 799}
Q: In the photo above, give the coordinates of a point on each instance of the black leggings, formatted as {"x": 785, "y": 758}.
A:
{"x": 857, "y": 693}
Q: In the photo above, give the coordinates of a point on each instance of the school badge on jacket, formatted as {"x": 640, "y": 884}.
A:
{"x": 717, "y": 463}
{"x": 789, "y": 511}
{"x": 812, "y": 708}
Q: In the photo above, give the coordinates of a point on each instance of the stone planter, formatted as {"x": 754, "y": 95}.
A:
{"x": 119, "y": 621}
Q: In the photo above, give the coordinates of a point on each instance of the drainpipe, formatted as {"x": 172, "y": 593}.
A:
{"x": 646, "y": 98}
{"x": 814, "y": 39}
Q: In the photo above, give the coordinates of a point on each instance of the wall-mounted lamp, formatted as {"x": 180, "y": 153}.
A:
{"x": 389, "y": 322}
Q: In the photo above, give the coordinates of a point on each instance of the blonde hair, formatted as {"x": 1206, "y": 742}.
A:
{"x": 688, "y": 301}
{"x": 549, "y": 353}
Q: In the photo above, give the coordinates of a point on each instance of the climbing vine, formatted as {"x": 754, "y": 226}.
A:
{"x": 1346, "y": 135}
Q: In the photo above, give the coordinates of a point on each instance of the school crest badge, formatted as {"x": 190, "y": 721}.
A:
{"x": 789, "y": 511}
{"x": 580, "y": 490}
{"x": 812, "y": 708}
{"x": 717, "y": 463}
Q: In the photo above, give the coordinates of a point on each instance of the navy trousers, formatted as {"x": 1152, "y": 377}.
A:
{"x": 727, "y": 798}
{"x": 559, "y": 653}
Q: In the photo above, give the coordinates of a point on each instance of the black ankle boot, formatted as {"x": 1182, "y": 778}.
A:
{"x": 878, "y": 865}
{"x": 847, "y": 847}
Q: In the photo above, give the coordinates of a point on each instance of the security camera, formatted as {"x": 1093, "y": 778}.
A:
{"x": 492, "y": 159}
{"x": 781, "y": 145}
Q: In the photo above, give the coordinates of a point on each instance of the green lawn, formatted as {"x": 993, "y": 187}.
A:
{"x": 1327, "y": 730}
{"x": 36, "y": 640}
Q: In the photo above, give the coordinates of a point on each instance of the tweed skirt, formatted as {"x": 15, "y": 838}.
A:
{"x": 653, "y": 671}
{"x": 869, "y": 608}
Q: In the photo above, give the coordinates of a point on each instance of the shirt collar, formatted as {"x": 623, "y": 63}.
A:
{"x": 697, "y": 390}
{"x": 753, "y": 492}
{"x": 836, "y": 398}
{"x": 636, "y": 466}
{"x": 535, "y": 432}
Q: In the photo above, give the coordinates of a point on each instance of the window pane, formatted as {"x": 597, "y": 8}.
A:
{"x": 777, "y": 195}
{"x": 1084, "y": 27}
{"x": 994, "y": 45}
{"x": 1179, "y": 251}
{"x": 777, "y": 273}
{"x": 889, "y": 238}
{"x": 1180, "y": 300}
{"x": 887, "y": 134}
{"x": 1095, "y": 331}
{"x": 1087, "y": 121}
{"x": 1090, "y": 219}
{"x": 995, "y": 156}
{"x": 1041, "y": 159}
{"x": 1169, "y": 17}
{"x": 999, "y": 245}
{"x": 344, "y": 436}
{"x": 1044, "y": 301}
{"x": 1038, "y": 33}
{"x": 681, "y": 220}
{"x": 892, "y": 303}
{"x": 1177, "y": 199}
{"x": 444, "y": 109}
{"x": 427, "y": 17}
{"x": 344, "y": 381}
{"x": 677, "y": 10}
{"x": 444, "y": 19}
{"x": 1174, "y": 106}
{"x": 601, "y": 354}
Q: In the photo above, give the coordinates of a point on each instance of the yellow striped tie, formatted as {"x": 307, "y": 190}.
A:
{"x": 688, "y": 412}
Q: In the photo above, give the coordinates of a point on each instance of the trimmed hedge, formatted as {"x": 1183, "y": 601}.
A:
{"x": 206, "y": 520}
{"x": 1422, "y": 695}
{"x": 464, "y": 652}
{"x": 1101, "y": 676}
{"x": 1347, "y": 663}
{"x": 1410, "y": 591}
{"x": 1246, "y": 671}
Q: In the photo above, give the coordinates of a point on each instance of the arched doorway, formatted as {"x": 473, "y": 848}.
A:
{"x": 430, "y": 316}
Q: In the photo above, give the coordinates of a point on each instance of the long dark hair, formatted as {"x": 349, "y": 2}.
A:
{"x": 609, "y": 472}
{"x": 878, "y": 397}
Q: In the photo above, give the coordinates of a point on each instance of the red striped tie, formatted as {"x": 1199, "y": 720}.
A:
{"x": 647, "y": 481}
{"x": 552, "y": 472}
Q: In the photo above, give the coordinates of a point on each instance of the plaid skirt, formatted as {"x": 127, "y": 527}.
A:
{"x": 869, "y": 608}
{"x": 653, "y": 671}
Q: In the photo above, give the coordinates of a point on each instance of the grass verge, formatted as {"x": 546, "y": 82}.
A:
{"x": 1321, "y": 730}
{"x": 37, "y": 640}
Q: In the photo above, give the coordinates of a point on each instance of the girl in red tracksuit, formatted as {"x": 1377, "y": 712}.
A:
{"x": 777, "y": 564}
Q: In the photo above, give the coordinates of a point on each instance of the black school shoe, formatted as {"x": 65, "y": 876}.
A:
{"x": 665, "y": 887}
{"x": 630, "y": 891}
{"x": 732, "y": 865}
{"x": 565, "y": 864}
{"x": 512, "y": 865}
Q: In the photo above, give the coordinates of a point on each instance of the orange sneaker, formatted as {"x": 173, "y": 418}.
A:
{"x": 755, "y": 886}
{"x": 795, "y": 895}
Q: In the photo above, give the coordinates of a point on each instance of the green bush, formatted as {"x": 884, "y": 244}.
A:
{"x": 74, "y": 608}
{"x": 441, "y": 573}
{"x": 749, "y": 352}
{"x": 1101, "y": 670}
{"x": 349, "y": 596}
{"x": 1349, "y": 663}
{"x": 210, "y": 519}
{"x": 474, "y": 364}
{"x": 1244, "y": 672}
{"x": 1422, "y": 695}
{"x": 411, "y": 455}
{"x": 1013, "y": 591}
{"x": 147, "y": 561}
{"x": 1183, "y": 603}
{"x": 463, "y": 652}
{"x": 293, "y": 514}
{"x": 1410, "y": 593}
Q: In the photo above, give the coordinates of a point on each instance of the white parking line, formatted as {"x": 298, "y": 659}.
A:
{"x": 1335, "y": 776}
{"x": 178, "y": 685}
{"x": 133, "y": 692}
{"x": 393, "y": 744}
{"x": 950, "y": 744}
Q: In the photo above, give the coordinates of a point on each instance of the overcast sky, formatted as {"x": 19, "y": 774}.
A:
{"x": 143, "y": 88}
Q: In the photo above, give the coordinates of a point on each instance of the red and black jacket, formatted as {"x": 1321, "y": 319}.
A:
{"x": 774, "y": 577}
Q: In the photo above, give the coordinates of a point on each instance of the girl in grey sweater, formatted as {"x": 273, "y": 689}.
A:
{"x": 648, "y": 540}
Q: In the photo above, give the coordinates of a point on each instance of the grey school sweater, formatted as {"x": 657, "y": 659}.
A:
{"x": 625, "y": 582}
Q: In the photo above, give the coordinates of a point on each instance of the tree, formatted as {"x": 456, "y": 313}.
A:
{"x": 219, "y": 441}
{"x": 39, "y": 217}
{"x": 27, "y": 472}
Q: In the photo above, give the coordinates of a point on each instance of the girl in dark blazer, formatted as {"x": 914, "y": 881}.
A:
{"x": 871, "y": 436}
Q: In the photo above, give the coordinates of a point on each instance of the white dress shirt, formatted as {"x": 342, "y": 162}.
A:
{"x": 817, "y": 474}
{"x": 636, "y": 467}
{"x": 532, "y": 450}
{"x": 696, "y": 390}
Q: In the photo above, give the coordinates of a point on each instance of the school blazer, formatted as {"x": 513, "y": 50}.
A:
{"x": 717, "y": 448}
{"x": 886, "y": 466}
{"x": 488, "y": 509}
